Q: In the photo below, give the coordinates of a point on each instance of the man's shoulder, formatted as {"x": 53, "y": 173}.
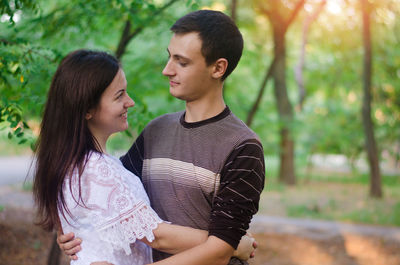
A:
{"x": 236, "y": 126}
{"x": 165, "y": 119}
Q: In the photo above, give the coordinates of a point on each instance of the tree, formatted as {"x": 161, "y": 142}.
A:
{"x": 281, "y": 17}
{"x": 234, "y": 10}
{"x": 370, "y": 143}
{"x": 129, "y": 33}
{"x": 300, "y": 65}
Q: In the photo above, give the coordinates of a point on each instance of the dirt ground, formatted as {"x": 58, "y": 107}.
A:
{"x": 22, "y": 243}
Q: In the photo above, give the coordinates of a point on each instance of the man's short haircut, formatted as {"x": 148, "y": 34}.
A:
{"x": 219, "y": 35}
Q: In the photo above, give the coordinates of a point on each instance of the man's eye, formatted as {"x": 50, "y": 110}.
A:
{"x": 183, "y": 64}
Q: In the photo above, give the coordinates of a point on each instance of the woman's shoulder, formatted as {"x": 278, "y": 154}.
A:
{"x": 95, "y": 159}
{"x": 102, "y": 164}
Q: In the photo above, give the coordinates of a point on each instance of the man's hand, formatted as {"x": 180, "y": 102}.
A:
{"x": 69, "y": 244}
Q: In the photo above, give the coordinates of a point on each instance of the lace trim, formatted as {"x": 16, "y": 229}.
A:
{"x": 136, "y": 225}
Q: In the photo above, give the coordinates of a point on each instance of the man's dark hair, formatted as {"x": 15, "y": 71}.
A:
{"x": 219, "y": 35}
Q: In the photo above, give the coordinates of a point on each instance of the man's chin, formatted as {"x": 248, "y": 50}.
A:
{"x": 174, "y": 93}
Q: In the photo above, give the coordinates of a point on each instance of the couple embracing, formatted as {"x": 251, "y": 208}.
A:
{"x": 189, "y": 185}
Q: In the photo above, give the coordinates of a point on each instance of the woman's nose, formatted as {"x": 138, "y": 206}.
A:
{"x": 129, "y": 103}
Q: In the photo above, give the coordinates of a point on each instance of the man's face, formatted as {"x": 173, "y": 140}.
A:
{"x": 189, "y": 76}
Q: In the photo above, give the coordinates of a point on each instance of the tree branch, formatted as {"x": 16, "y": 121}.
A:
{"x": 300, "y": 65}
{"x": 256, "y": 103}
{"x": 128, "y": 34}
{"x": 293, "y": 15}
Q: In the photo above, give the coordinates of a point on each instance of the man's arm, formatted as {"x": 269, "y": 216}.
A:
{"x": 236, "y": 201}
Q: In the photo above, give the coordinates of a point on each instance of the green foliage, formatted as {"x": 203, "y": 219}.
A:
{"x": 12, "y": 115}
{"x": 37, "y": 244}
{"x": 32, "y": 46}
{"x": 12, "y": 7}
{"x": 27, "y": 186}
{"x": 37, "y": 34}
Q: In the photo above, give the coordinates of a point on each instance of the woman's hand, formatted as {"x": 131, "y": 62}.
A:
{"x": 69, "y": 244}
{"x": 247, "y": 247}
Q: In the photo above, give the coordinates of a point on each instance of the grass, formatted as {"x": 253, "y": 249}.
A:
{"x": 334, "y": 197}
{"x": 27, "y": 186}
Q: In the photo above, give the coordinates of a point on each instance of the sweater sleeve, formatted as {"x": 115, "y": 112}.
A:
{"x": 242, "y": 181}
{"x": 133, "y": 159}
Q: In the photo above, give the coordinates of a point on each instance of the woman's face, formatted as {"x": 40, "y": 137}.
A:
{"x": 111, "y": 114}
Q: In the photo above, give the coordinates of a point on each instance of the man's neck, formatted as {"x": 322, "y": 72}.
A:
{"x": 198, "y": 111}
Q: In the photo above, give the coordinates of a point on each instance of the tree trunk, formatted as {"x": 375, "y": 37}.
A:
{"x": 285, "y": 110}
{"x": 54, "y": 255}
{"x": 370, "y": 143}
{"x": 234, "y": 10}
{"x": 280, "y": 25}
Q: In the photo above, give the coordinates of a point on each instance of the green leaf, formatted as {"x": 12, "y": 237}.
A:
{"x": 22, "y": 141}
{"x": 127, "y": 132}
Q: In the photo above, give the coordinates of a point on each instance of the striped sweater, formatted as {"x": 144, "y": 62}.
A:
{"x": 207, "y": 175}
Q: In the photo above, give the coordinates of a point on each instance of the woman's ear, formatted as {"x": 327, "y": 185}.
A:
{"x": 88, "y": 116}
{"x": 219, "y": 68}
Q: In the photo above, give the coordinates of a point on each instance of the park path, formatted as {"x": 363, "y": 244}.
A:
{"x": 13, "y": 172}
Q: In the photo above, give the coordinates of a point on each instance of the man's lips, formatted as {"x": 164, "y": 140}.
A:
{"x": 173, "y": 83}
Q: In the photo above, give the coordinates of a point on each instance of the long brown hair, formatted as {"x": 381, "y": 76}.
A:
{"x": 65, "y": 139}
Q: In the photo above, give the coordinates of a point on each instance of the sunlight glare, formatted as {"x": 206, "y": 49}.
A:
{"x": 351, "y": 97}
{"x": 16, "y": 18}
{"x": 333, "y": 7}
{"x": 4, "y": 18}
{"x": 216, "y": 6}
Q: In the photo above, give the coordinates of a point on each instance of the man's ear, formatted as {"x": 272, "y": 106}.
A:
{"x": 219, "y": 68}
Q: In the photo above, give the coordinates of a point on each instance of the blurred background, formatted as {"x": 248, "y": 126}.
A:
{"x": 319, "y": 82}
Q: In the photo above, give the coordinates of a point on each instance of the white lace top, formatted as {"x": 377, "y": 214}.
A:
{"x": 117, "y": 213}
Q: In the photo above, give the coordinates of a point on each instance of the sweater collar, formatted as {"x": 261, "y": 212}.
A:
{"x": 196, "y": 124}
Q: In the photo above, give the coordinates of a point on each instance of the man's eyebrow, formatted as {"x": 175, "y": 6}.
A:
{"x": 178, "y": 56}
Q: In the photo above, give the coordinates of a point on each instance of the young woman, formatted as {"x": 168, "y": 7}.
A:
{"x": 81, "y": 188}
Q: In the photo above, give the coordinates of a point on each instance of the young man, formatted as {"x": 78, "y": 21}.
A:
{"x": 202, "y": 167}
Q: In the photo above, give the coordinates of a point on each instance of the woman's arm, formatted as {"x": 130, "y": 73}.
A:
{"x": 212, "y": 252}
{"x": 173, "y": 239}
{"x": 184, "y": 238}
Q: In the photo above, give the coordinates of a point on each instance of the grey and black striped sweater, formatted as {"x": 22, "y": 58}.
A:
{"x": 207, "y": 175}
